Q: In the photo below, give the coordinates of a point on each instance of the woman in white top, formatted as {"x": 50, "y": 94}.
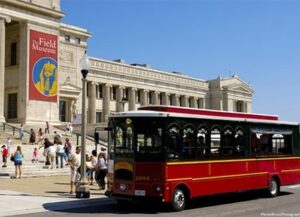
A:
{"x": 101, "y": 170}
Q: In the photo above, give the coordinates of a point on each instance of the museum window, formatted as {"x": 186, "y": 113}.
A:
{"x": 138, "y": 96}
{"x": 12, "y": 105}
{"x": 98, "y": 117}
{"x": 190, "y": 102}
{"x": 13, "y": 54}
{"x": 125, "y": 94}
{"x": 181, "y": 101}
{"x": 99, "y": 91}
{"x": 113, "y": 93}
{"x": 160, "y": 99}
{"x": 77, "y": 40}
{"x": 239, "y": 106}
{"x": 88, "y": 89}
{"x": 67, "y": 38}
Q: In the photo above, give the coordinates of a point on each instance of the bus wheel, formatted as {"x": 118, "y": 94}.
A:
{"x": 274, "y": 187}
{"x": 179, "y": 200}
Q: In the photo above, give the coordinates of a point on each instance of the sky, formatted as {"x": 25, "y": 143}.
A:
{"x": 257, "y": 40}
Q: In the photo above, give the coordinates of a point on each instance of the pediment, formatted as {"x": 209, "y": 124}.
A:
{"x": 241, "y": 89}
{"x": 236, "y": 84}
{"x": 69, "y": 89}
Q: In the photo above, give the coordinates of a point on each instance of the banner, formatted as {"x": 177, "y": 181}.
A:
{"x": 43, "y": 66}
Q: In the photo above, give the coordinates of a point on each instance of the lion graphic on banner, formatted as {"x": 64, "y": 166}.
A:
{"x": 47, "y": 81}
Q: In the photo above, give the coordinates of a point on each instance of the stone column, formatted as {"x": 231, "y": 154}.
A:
{"x": 184, "y": 101}
{"x": 194, "y": 102}
{"x": 119, "y": 101}
{"x": 92, "y": 103}
{"x": 144, "y": 97}
{"x": 202, "y": 103}
{"x": 131, "y": 98}
{"x": 175, "y": 99}
{"x": 166, "y": 99}
{"x": 23, "y": 72}
{"x": 105, "y": 102}
{"x": 155, "y": 97}
{"x": 2, "y": 64}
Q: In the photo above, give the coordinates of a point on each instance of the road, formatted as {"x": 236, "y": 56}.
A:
{"x": 249, "y": 204}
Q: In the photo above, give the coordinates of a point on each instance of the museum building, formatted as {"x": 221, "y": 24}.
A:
{"x": 40, "y": 78}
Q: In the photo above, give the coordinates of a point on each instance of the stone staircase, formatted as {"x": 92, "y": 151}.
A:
{"x": 30, "y": 169}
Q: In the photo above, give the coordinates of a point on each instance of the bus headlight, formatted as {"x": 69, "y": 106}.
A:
{"x": 158, "y": 188}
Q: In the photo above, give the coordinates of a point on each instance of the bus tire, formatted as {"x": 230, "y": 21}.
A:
{"x": 274, "y": 187}
{"x": 179, "y": 199}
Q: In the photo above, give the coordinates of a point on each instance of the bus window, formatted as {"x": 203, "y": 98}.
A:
{"x": 124, "y": 145}
{"x": 227, "y": 143}
{"x": 119, "y": 137}
{"x": 174, "y": 149}
{"x": 215, "y": 140}
{"x": 277, "y": 143}
{"x": 149, "y": 143}
{"x": 202, "y": 147}
{"x": 282, "y": 144}
{"x": 129, "y": 139}
{"x": 189, "y": 142}
{"x": 239, "y": 143}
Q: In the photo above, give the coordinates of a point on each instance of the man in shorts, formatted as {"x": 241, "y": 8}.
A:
{"x": 74, "y": 162}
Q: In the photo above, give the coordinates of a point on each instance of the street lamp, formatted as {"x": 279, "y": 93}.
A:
{"x": 82, "y": 189}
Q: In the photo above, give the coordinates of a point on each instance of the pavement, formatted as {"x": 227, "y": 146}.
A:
{"x": 40, "y": 189}
{"x": 42, "y": 194}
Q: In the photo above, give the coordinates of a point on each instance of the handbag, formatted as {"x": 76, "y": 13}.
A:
{"x": 12, "y": 158}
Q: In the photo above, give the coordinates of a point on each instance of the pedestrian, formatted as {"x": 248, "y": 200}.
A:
{"x": 21, "y": 132}
{"x": 35, "y": 155}
{"x": 32, "y": 137}
{"x": 4, "y": 155}
{"x": 101, "y": 170}
{"x": 52, "y": 155}
{"x": 93, "y": 159}
{"x": 46, "y": 146}
{"x": 47, "y": 129}
{"x": 68, "y": 149}
{"x": 40, "y": 136}
{"x": 57, "y": 138}
{"x": 9, "y": 145}
{"x": 60, "y": 154}
{"x": 74, "y": 162}
{"x": 18, "y": 159}
{"x": 71, "y": 128}
{"x": 67, "y": 132}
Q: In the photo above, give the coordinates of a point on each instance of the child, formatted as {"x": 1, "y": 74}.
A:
{"x": 4, "y": 155}
{"x": 10, "y": 145}
{"x": 35, "y": 154}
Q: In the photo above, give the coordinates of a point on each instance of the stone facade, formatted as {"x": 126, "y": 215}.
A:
{"x": 113, "y": 86}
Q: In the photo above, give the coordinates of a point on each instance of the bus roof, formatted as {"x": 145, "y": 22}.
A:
{"x": 208, "y": 112}
{"x": 172, "y": 111}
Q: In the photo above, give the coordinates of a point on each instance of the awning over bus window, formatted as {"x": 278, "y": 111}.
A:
{"x": 271, "y": 131}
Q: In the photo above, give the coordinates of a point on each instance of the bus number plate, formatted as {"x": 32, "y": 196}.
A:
{"x": 140, "y": 193}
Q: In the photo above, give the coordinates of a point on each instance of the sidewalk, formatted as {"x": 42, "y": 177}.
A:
{"x": 32, "y": 195}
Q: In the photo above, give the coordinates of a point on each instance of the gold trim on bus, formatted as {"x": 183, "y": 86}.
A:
{"x": 290, "y": 171}
{"x": 230, "y": 161}
{"x": 217, "y": 177}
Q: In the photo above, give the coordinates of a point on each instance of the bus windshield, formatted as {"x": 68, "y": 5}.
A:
{"x": 140, "y": 138}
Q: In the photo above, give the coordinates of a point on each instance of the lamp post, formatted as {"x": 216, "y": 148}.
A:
{"x": 82, "y": 189}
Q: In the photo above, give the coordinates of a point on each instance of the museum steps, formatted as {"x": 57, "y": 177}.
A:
{"x": 30, "y": 169}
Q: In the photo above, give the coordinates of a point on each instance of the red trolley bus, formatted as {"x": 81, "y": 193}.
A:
{"x": 174, "y": 154}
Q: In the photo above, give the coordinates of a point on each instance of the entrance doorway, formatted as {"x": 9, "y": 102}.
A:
{"x": 62, "y": 110}
{"x": 12, "y": 106}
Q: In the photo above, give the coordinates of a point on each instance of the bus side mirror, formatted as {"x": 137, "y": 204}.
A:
{"x": 96, "y": 137}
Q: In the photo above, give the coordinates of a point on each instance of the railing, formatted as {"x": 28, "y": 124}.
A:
{"x": 91, "y": 139}
{"x": 6, "y": 126}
